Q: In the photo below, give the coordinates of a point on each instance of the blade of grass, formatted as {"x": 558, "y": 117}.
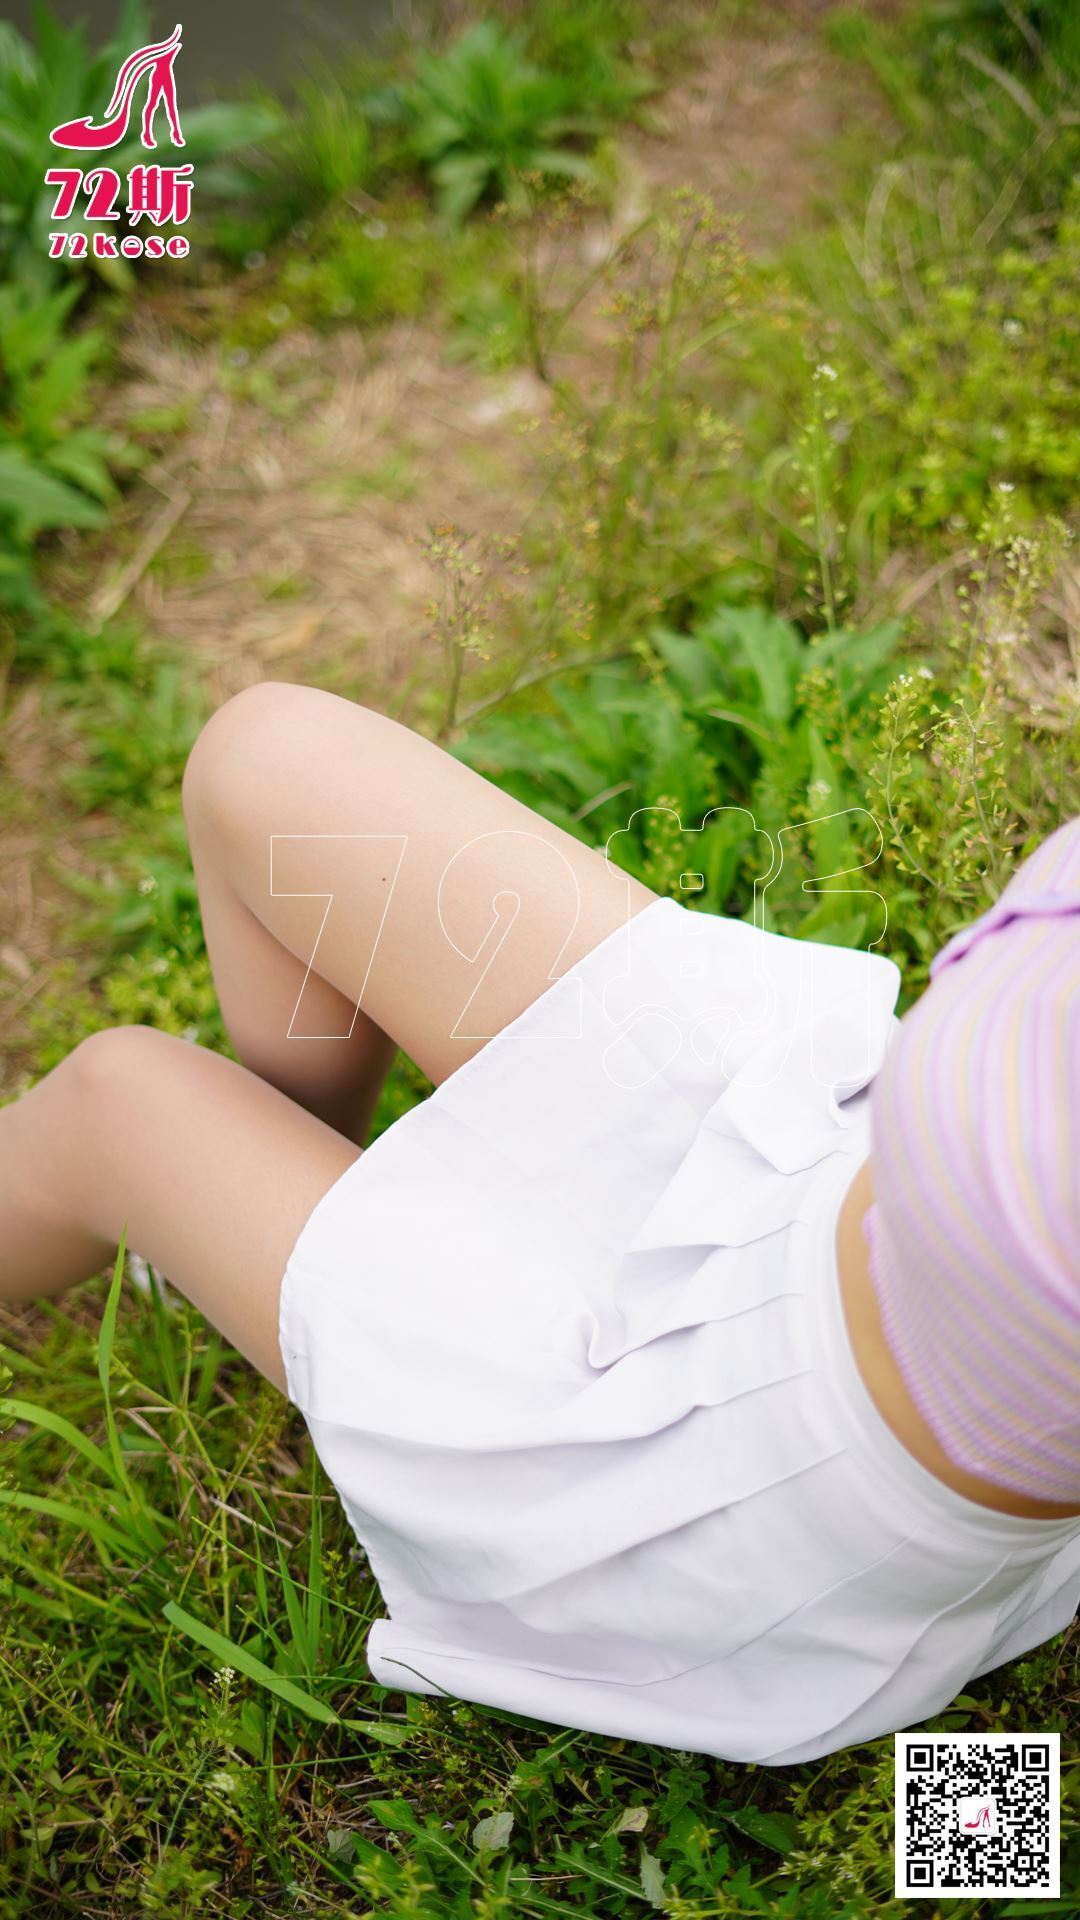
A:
{"x": 164, "y": 1341}
{"x": 295, "y": 1611}
{"x": 53, "y": 1609}
{"x": 26, "y": 1597}
{"x": 316, "y": 1590}
{"x": 105, "y": 1342}
{"x": 63, "y": 1429}
{"x": 100, "y": 1530}
{"x": 229, "y": 1654}
{"x": 146, "y": 1522}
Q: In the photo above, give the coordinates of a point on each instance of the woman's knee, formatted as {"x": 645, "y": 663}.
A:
{"x": 238, "y": 743}
{"x": 274, "y": 760}
{"x": 103, "y": 1099}
{"x": 116, "y": 1065}
{"x": 274, "y": 731}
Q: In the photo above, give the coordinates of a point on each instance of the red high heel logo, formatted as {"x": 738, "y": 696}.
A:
{"x": 156, "y": 62}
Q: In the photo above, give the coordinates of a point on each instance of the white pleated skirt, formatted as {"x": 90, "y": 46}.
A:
{"x": 569, "y": 1342}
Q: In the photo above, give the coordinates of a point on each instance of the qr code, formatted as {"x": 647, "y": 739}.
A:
{"x": 978, "y": 1814}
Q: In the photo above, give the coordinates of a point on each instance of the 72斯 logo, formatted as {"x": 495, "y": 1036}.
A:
{"x": 159, "y": 194}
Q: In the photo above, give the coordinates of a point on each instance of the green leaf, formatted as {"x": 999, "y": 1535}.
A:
{"x": 769, "y": 648}
{"x": 556, "y": 160}
{"x": 150, "y": 1527}
{"x": 652, "y": 1879}
{"x": 22, "y": 1596}
{"x": 744, "y": 717}
{"x": 226, "y": 125}
{"x": 692, "y": 666}
{"x": 228, "y": 1654}
{"x": 16, "y": 56}
{"x": 52, "y": 1422}
{"x": 105, "y": 1341}
{"x": 83, "y": 1599}
{"x": 834, "y": 924}
{"x": 492, "y": 1834}
{"x": 314, "y": 1597}
{"x": 295, "y": 1611}
{"x": 830, "y": 821}
{"x": 386, "y": 1732}
{"x": 1019, "y": 1909}
{"x": 37, "y": 500}
{"x": 80, "y": 457}
{"x": 101, "y": 1530}
{"x": 396, "y": 1814}
{"x": 460, "y": 181}
{"x": 775, "y": 1830}
{"x": 854, "y": 658}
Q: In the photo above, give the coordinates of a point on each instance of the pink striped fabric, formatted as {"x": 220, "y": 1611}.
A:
{"x": 974, "y": 1235}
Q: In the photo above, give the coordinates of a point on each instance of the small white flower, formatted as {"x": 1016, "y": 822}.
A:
{"x": 148, "y": 884}
{"x": 1012, "y": 329}
{"x": 1005, "y": 486}
{"x": 823, "y": 371}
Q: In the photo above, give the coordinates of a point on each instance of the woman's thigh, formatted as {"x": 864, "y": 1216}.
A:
{"x": 429, "y": 898}
{"x": 212, "y": 1172}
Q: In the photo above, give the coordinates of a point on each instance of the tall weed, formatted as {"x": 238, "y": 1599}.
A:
{"x": 642, "y": 481}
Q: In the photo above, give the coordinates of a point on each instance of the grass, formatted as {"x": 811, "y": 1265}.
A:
{"x": 779, "y": 556}
{"x": 187, "y": 1727}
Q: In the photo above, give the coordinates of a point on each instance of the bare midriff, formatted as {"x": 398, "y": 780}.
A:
{"x": 883, "y": 1379}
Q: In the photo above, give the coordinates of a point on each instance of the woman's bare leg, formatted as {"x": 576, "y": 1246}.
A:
{"x": 430, "y": 907}
{"x": 213, "y": 1172}
{"x": 258, "y": 983}
{"x": 362, "y": 889}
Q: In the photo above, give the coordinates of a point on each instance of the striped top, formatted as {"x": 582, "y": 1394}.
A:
{"x": 974, "y": 1235}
